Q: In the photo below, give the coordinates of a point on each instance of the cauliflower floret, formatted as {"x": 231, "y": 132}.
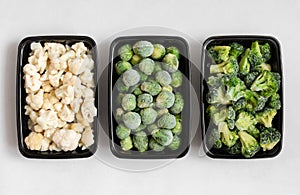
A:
{"x": 54, "y": 79}
{"x": 35, "y": 101}
{"x": 30, "y": 69}
{"x": 32, "y": 83}
{"x": 53, "y": 147}
{"x": 75, "y": 66}
{"x": 45, "y": 144}
{"x": 47, "y": 119}
{"x": 65, "y": 93}
{"x": 58, "y": 106}
{"x": 32, "y": 114}
{"x": 68, "y": 55}
{"x": 66, "y": 114}
{"x": 88, "y": 109}
{"x": 39, "y": 57}
{"x": 87, "y": 137}
{"x": 55, "y": 50}
{"x": 49, "y": 101}
{"x": 66, "y": 139}
{"x": 87, "y": 92}
{"x": 88, "y": 62}
{"x": 48, "y": 133}
{"x": 78, "y": 87}
{"x": 61, "y": 123}
{"x": 34, "y": 141}
{"x": 75, "y": 105}
{"x": 76, "y": 127}
{"x": 79, "y": 48}
{"x": 46, "y": 86}
{"x": 87, "y": 78}
{"x": 30, "y": 124}
{"x": 81, "y": 120}
{"x": 38, "y": 128}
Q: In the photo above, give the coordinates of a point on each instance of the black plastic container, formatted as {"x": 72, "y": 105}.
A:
{"x": 184, "y": 67}
{"x": 276, "y": 65}
{"x": 22, "y": 127}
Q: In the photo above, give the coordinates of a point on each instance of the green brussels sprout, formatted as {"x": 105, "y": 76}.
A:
{"x": 173, "y": 50}
{"x": 140, "y": 128}
{"x": 171, "y": 63}
{"x": 175, "y": 143}
{"x": 162, "y": 111}
{"x": 151, "y": 87}
{"x": 131, "y": 77}
{"x": 163, "y": 77}
{"x": 157, "y": 66}
{"x": 129, "y": 102}
{"x": 122, "y": 87}
{"x": 137, "y": 91}
{"x": 147, "y": 66}
{"x": 119, "y": 114}
{"x": 143, "y": 48}
{"x": 167, "y": 121}
{"x": 176, "y": 79}
{"x": 167, "y": 88}
{"x": 136, "y": 59}
{"x": 163, "y": 136}
{"x": 144, "y": 100}
{"x": 152, "y": 127}
{"x": 178, "y": 127}
{"x": 122, "y": 67}
{"x": 119, "y": 99}
{"x": 158, "y": 52}
{"x": 125, "y": 52}
{"x": 148, "y": 116}
{"x": 132, "y": 88}
{"x": 178, "y": 104}
{"x": 165, "y": 99}
{"x": 143, "y": 77}
{"x": 122, "y": 131}
{"x": 140, "y": 141}
{"x": 155, "y": 146}
{"x": 126, "y": 144}
{"x": 132, "y": 120}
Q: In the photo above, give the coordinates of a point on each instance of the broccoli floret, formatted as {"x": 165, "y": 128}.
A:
{"x": 214, "y": 139}
{"x": 235, "y": 149}
{"x": 217, "y": 96}
{"x": 215, "y": 81}
{"x": 261, "y": 67}
{"x": 235, "y": 87}
{"x": 255, "y": 56}
{"x": 275, "y": 101}
{"x": 224, "y": 114}
{"x": 245, "y": 121}
{"x": 255, "y": 102}
{"x": 277, "y": 78}
{"x": 240, "y": 104}
{"x": 266, "y": 117}
{"x": 269, "y": 137}
{"x": 265, "y": 83}
{"x": 236, "y": 49}
{"x": 219, "y": 53}
{"x": 252, "y": 130}
{"x": 265, "y": 51}
{"x": 249, "y": 144}
{"x": 228, "y": 137}
{"x": 228, "y": 67}
{"x": 250, "y": 78}
{"x": 211, "y": 110}
{"x": 244, "y": 65}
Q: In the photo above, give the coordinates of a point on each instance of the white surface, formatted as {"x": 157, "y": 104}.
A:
{"x": 190, "y": 175}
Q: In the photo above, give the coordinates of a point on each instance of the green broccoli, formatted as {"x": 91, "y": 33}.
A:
{"x": 244, "y": 65}
{"x": 235, "y": 149}
{"x": 265, "y": 51}
{"x": 217, "y": 96}
{"x": 255, "y": 56}
{"x": 275, "y": 101}
{"x": 228, "y": 67}
{"x": 236, "y": 49}
{"x": 266, "y": 117}
{"x": 265, "y": 83}
{"x": 228, "y": 137}
{"x": 250, "y": 78}
{"x": 249, "y": 144}
{"x": 235, "y": 87}
{"x": 215, "y": 81}
{"x": 261, "y": 67}
{"x": 219, "y": 53}
{"x": 252, "y": 130}
{"x": 240, "y": 104}
{"x": 214, "y": 139}
{"x": 269, "y": 137}
{"x": 245, "y": 121}
{"x": 255, "y": 102}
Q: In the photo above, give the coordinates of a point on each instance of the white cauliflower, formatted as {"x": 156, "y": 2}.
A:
{"x": 55, "y": 50}
{"x": 30, "y": 124}
{"x": 30, "y": 70}
{"x": 78, "y": 88}
{"x": 31, "y": 113}
{"x": 34, "y": 141}
{"x": 75, "y": 66}
{"x": 75, "y": 105}
{"x": 79, "y": 48}
{"x": 47, "y": 119}
{"x": 61, "y": 123}
{"x": 53, "y": 147}
{"x": 58, "y": 106}
{"x": 39, "y": 57}
{"x": 35, "y": 101}
{"x": 88, "y": 109}
{"x": 45, "y": 144}
{"x": 48, "y": 133}
{"x": 66, "y": 114}
{"x": 88, "y": 62}
{"x": 65, "y": 93}
{"x": 76, "y": 127}
{"x": 81, "y": 120}
{"x": 87, "y": 92}
{"x": 87, "y": 78}
{"x": 87, "y": 137}
{"x": 38, "y": 128}
{"x": 66, "y": 139}
{"x": 55, "y": 78}
{"x": 47, "y": 87}
{"x": 32, "y": 83}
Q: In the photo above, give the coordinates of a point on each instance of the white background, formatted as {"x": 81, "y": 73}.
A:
{"x": 190, "y": 175}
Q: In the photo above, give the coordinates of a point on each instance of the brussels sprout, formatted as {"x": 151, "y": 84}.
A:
{"x": 132, "y": 120}
{"x": 162, "y": 111}
{"x": 174, "y": 50}
{"x": 143, "y": 48}
{"x": 163, "y": 136}
{"x": 140, "y": 141}
{"x": 129, "y": 102}
{"x": 167, "y": 88}
{"x": 151, "y": 87}
{"x": 144, "y": 100}
{"x": 137, "y": 91}
{"x": 141, "y": 127}
{"x": 178, "y": 127}
{"x": 152, "y": 127}
{"x": 157, "y": 66}
{"x": 176, "y": 79}
{"x": 122, "y": 67}
{"x": 125, "y": 52}
{"x": 158, "y": 52}
{"x": 143, "y": 77}
{"x": 155, "y": 146}
{"x": 122, "y": 131}
{"x": 119, "y": 99}
{"x": 131, "y": 77}
{"x": 132, "y": 88}
{"x": 119, "y": 114}
{"x": 178, "y": 104}
{"x": 167, "y": 121}
{"x": 147, "y": 66}
{"x": 122, "y": 87}
{"x": 165, "y": 99}
{"x": 171, "y": 63}
{"x": 175, "y": 143}
{"x": 148, "y": 116}
{"x": 126, "y": 144}
{"x": 136, "y": 59}
{"x": 163, "y": 77}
